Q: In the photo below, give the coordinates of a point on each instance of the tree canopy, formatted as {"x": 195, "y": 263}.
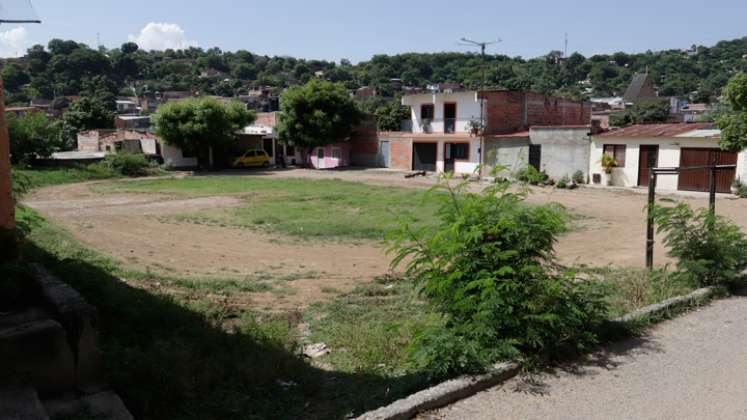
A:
{"x": 643, "y": 113}
{"x": 63, "y": 67}
{"x": 733, "y": 124}
{"x": 317, "y": 113}
{"x": 32, "y": 135}
{"x": 198, "y": 124}
{"x": 84, "y": 114}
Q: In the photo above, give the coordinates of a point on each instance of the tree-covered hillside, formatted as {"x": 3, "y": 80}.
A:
{"x": 70, "y": 68}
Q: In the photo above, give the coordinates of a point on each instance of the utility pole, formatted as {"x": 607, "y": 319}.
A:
{"x": 8, "y": 241}
{"x": 482, "y": 45}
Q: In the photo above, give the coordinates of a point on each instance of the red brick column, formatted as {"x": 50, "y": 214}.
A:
{"x": 8, "y": 243}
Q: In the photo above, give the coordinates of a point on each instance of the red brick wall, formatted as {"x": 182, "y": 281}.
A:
{"x": 400, "y": 152}
{"x": 364, "y": 140}
{"x": 510, "y": 111}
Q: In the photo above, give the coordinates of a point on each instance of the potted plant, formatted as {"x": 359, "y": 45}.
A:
{"x": 476, "y": 127}
{"x": 737, "y": 187}
{"x": 608, "y": 164}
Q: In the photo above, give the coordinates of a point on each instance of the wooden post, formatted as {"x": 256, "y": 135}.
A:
{"x": 712, "y": 190}
{"x": 8, "y": 241}
{"x": 650, "y": 219}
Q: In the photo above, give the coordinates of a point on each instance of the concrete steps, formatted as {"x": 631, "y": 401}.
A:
{"x": 49, "y": 360}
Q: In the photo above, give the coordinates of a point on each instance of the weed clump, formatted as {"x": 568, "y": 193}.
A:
{"x": 488, "y": 269}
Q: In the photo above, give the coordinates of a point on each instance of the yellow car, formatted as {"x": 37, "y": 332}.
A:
{"x": 252, "y": 157}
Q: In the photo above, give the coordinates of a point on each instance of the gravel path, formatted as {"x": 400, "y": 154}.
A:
{"x": 693, "y": 367}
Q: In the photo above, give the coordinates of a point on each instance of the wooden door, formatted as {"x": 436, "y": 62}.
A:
{"x": 697, "y": 180}
{"x": 649, "y": 158}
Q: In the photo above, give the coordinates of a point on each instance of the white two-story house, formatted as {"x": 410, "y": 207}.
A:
{"x": 438, "y": 136}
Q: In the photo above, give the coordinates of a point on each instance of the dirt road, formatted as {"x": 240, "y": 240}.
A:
{"x": 693, "y": 367}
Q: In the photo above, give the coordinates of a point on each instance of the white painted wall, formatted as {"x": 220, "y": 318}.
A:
{"x": 173, "y": 158}
{"x": 467, "y": 109}
{"x": 669, "y": 156}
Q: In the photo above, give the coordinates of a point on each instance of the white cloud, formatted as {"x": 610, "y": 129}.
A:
{"x": 14, "y": 42}
{"x": 162, "y": 36}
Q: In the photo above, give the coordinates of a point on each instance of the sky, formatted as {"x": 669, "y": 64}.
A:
{"x": 356, "y": 30}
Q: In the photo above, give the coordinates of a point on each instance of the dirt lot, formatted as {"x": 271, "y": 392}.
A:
{"x": 135, "y": 229}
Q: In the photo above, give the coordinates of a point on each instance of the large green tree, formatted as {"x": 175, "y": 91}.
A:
{"x": 733, "y": 125}
{"x": 201, "y": 124}
{"x": 317, "y": 113}
{"x": 389, "y": 117}
{"x": 32, "y": 135}
{"x": 84, "y": 114}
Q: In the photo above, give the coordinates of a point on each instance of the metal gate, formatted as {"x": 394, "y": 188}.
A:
{"x": 383, "y": 154}
{"x": 698, "y": 180}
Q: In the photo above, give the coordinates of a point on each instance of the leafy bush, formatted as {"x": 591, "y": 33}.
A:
{"x": 532, "y": 176}
{"x": 128, "y": 164}
{"x": 741, "y": 188}
{"x": 564, "y": 182}
{"x": 32, "y": 135}
{"x": 487, "y": 268}
{"x": 709, "y": 249}
{"x": 21, "y": 184}
{"x": 579, "y": 177}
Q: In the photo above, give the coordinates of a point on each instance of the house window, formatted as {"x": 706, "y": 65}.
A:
{"x": 460, "y": 151}
{"x": 319, "y": 153}
{"x": 617, "y": 151}
{"x": 427, "y": 111}
{"x": 336, "y": 153}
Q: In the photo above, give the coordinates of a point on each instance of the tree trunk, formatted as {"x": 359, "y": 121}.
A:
{"x": 8, "y": 240}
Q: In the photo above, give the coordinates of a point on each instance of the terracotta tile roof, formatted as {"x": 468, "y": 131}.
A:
{"x": 655, "y": 130}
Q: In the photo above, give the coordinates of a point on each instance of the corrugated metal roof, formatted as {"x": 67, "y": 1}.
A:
{"x": 714, "y": 133}
{"x": 656, "y": 130}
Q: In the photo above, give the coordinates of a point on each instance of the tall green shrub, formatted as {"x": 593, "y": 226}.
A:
{"x": 488, "y": 268}
{"x": 128, "y": 164}
{"x": 709, "y": 249}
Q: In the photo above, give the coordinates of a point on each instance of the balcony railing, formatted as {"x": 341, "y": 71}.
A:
{"x": 450, "y": 125}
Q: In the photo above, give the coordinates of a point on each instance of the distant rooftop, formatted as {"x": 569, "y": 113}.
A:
{"x": 661, "y": 130}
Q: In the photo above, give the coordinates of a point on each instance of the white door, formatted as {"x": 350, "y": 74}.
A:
{"x": 320, "y": 158}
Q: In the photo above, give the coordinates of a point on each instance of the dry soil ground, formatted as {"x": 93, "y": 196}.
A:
{"x": 136, "y": 230}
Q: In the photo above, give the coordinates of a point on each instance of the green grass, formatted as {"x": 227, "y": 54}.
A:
{"x": 628, "y": 289}
{"x": 170, "y": 356}
{"x": 42, "y": 177}
{"x": 299, "y": 207}
{"x": 370, "y": 328}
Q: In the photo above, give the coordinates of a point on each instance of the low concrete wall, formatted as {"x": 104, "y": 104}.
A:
{"x": 565, "y": 150}
{"x": 511, "y": 153}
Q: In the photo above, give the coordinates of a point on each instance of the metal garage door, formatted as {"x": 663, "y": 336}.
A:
{"x": 698, "y": 180}
{"x": 424, "y": 156}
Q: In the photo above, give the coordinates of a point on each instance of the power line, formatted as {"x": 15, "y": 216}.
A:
{"x": 482, "y": 45}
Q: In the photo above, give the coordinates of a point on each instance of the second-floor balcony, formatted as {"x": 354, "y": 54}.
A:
{"x": 433, "y": 126}
{"x": 450, "y": 125}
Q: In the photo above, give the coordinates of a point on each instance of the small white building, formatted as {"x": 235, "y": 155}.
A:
{"x": 640, "y": 147}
